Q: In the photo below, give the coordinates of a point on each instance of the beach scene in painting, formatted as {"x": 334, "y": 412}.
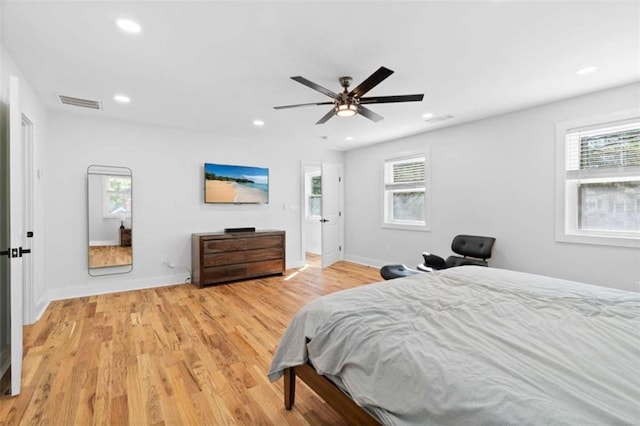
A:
{"x": 235, "y": 184}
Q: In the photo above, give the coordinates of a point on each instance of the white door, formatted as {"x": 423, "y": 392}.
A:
{"x": 15, "y": 233}
{"x": 331, "y": 213}
{"x": 28, "y": 296}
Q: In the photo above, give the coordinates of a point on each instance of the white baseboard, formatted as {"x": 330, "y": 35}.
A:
{"x": 41, "y": 305}
{"x": 108, "y": 284}
{"x": 375, "y": 263}
{"x": 298, "y": 263}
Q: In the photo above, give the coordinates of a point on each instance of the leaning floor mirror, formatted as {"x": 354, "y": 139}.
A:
{"x": 109, "y": 219}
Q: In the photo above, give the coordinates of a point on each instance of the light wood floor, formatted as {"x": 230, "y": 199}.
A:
{"x": 105, "y": 256}
{"x": 172, "y": 355}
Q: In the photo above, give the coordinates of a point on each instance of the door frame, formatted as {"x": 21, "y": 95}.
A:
{"x": 28, "y": 269}
{"x": 15, "y": 233}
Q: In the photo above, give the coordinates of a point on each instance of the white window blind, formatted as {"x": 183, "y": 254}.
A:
{"x": 404, "y": 174}
{"x": 609, "y": 150}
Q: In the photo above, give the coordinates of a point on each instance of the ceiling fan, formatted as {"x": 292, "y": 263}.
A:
{"x": 349, "y": 103}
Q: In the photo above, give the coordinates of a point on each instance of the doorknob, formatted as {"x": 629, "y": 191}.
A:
{"x": 324, "y": 220}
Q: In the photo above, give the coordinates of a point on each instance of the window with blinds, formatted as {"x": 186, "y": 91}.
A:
{"x": 405, "y": 191}
{"x": 602, "y": 175}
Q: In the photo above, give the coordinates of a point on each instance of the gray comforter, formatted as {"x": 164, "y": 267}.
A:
{"x": 473, "y": 345}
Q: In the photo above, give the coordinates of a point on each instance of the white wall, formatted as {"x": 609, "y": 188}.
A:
{"x": 167, "y": 165}
{"x": 490, "y": 177}
{"x": 32, "y": 107}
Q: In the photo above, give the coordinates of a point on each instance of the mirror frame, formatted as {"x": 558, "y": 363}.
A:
{"x": 102, "y": 170}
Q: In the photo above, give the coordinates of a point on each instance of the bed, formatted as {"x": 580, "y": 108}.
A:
{"x": 469, "y": 345}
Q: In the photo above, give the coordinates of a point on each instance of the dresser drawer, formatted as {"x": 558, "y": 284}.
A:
{"x": 266, "y": 267}
{"x": 235, "y": 272}
{"x": 236, "y": 244}
{"x": 224, "y": 273}
{"x": 244, "y": 256}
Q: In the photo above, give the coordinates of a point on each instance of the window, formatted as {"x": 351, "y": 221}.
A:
{"x": 117, "y": 197}
{"x": 314, "y": 195}
{"x": 599, "y": 184}
{"x": 405, "y": 193}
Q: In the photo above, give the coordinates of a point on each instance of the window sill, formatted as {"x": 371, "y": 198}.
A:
{"x": 422, "y": 228}
{"x": 632, "y": 242}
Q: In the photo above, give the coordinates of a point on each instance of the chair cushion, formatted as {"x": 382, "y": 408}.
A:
{"x": 473, "y": 245}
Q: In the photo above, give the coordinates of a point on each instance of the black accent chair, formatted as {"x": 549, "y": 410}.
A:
{"x": 474, "y": 250}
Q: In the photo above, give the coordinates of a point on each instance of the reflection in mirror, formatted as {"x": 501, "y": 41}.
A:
{"x": 110, "y": 222}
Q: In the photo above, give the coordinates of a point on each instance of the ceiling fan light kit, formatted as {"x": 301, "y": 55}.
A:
{"x": 349, "y": 103}
{"x": 346, "y": 110}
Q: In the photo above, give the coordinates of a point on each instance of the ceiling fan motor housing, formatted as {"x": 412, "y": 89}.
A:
{"x": 346, "y": 82}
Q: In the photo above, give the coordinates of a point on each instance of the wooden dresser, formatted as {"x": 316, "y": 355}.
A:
{"x": 222, "y": 257}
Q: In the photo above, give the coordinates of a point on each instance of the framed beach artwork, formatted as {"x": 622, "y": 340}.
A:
{"x": 228, "y": 184}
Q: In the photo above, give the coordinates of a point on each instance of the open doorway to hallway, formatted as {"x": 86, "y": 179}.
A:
{"x": 322, "y": 220}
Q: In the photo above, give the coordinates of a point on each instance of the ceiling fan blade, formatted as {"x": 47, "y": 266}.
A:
{"x": 390, "y": 99}
{"x": 301, "y": 105}
{"x": 369, "y": 114}
{"x": 372, "y": 81}
{"x": 327, "y": 116}
{"x": 315, "y": 86}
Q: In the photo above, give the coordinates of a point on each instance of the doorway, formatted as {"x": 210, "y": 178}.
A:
{"x": 321, "y": 213}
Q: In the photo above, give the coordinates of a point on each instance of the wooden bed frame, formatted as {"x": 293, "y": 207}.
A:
{"x": 332, "y": 395}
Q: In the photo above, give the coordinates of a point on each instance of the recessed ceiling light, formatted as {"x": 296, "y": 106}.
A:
{"x": 258, "y": 123}
{"x": 348, "y": 138}
{"x": 587, "y": 70}
{"x": 129, "y": 26}
{"x": 123, "y": 99}
{"x": 427, "y": 115}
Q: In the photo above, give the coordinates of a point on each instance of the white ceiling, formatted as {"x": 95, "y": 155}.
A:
{"x": 217, "y": 66}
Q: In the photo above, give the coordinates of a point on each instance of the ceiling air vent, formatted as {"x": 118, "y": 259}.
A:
{"x": 439, "y": 118}
{"x": 83, "y": 103}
